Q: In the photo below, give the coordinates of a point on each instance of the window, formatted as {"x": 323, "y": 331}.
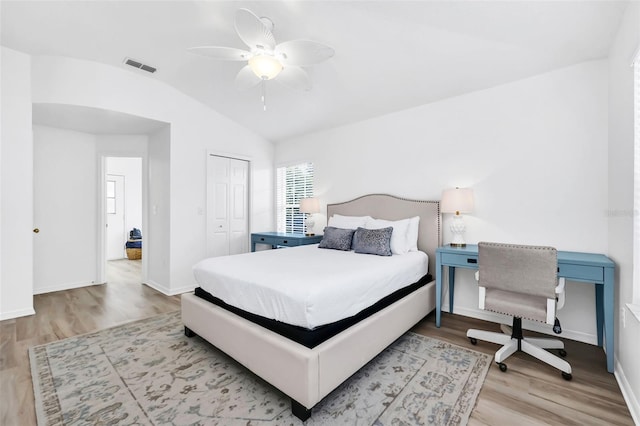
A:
{"x": 111, "y": 197}
{"x": 293, "y": 183}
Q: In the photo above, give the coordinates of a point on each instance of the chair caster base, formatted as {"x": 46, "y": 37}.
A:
{"x": 503, "y": 366}
{"x": 567, "y": 376}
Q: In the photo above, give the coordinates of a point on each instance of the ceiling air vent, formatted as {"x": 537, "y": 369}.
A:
{"x": 136, "y": 64}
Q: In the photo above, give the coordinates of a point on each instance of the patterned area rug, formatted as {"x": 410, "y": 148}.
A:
{"x": 148, "y": 373}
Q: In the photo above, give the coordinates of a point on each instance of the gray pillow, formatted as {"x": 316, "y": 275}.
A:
{"x": 336, "y": 238}
{"x": 373, "y": 241}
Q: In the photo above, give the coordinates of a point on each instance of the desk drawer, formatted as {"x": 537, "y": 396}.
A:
{"x": 460, "y": 260}
{"x": 288, "y": 242}
{"x": 593, "y": 274}
{"x": 272, "y": 241}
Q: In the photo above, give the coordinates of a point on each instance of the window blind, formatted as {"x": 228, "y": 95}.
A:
{"x": 293, "y": 184}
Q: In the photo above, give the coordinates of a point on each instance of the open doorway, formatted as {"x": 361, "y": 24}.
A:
{"x": 124, "y": 235}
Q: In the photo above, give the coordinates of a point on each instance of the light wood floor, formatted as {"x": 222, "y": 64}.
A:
{"x": 64, "y": 314}
{"x": 529, "y": 393}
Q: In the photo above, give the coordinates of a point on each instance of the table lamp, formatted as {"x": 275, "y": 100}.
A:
{"x": 309, "y": 206}
{"x": 458, "y": 200}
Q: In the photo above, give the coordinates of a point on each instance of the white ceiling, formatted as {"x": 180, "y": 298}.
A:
{"x": 390, "y": 55}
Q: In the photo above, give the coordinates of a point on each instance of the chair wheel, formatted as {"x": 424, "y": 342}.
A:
{"x": 562, "y": 353}
{"x": 566, "y": 376}
{"x": 473, "y": 340}
{"x": 503, "y": 366}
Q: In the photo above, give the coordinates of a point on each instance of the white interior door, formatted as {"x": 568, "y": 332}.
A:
{"x": 238, "y": 200}
{"x": 65, "y": 209}
{"x": 116, "y": 235}
{"x": 227, "y": 206}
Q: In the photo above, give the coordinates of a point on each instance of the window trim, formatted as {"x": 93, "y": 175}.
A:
{"x": 281, "y": 202}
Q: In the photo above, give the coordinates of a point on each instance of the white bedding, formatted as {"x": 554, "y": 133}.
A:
{"x": 307, "y": 286}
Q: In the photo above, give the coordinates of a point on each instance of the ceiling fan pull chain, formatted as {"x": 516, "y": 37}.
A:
{"x": 264, "y": 94}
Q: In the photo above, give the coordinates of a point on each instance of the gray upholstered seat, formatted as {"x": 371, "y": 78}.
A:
{"x": 521, "y": 281}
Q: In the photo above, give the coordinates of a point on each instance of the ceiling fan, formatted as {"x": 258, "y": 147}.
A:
{"x": 267, "y": 60}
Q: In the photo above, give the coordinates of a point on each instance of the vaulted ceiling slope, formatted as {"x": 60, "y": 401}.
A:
{"x": 390, "y": 55}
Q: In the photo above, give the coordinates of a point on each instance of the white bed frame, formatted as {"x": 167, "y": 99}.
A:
{"x": 308, "y": 375}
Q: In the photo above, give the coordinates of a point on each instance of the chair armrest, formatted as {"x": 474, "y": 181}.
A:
{"x": 560, "y": 293}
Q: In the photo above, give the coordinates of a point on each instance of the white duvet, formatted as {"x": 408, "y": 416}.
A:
{"x": 307, "y": 286}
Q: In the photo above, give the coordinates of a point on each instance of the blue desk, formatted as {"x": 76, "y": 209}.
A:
{"x": 281, "y": 239}
{"x": 589, "y": 268}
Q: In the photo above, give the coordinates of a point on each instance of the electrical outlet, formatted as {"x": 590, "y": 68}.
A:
{"x": 623, "y": 317}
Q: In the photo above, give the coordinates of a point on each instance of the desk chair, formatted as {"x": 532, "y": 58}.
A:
{"x": 521, "y": 281}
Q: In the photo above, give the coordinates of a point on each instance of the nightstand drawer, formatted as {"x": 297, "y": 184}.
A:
{"x": 460, "y": 260}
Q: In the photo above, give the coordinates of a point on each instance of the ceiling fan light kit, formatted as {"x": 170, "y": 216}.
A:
{"x": 265, "y": 67}
{"x": 266, "y": 60}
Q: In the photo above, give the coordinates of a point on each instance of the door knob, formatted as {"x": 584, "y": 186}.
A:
{"x": 36, "y": 230}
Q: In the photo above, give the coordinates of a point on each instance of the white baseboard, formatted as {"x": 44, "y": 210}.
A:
{"x": 16, "y": 313}
{"x": 166, "y": 291}
{"x": 156, "y": 286}
{"x": 181, "y": 290}
{"x": 66, "y": 286}
{"x": 627, "y": 393}
{"x": 591, "y": 339}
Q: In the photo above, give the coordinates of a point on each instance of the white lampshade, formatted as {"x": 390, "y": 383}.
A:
{"x": 309, "y": 205}
{"x": 457, "y": 200}
{"x": 265, "y": 66}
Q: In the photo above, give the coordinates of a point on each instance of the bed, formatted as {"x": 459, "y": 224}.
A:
{"x": 308, "y": 370}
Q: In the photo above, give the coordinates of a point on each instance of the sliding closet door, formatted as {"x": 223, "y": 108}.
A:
{"x": 227, "y": 206}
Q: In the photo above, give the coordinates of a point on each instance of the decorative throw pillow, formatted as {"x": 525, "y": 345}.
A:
{"x": 373, "y": 241}
{"x": 399, "y": 241}
{"x": 336, "y": 238}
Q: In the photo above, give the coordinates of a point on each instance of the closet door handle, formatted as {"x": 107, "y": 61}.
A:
{"x": 36, "y": 230}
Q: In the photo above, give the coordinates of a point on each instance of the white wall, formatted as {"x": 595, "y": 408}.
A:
{"x": 66, "y": 202}
{"x": 621, "y": 201}
{"x": 534, "y": 152}
{"x": 179, "y": 163}
{"x": 65, "y": 209}
{"x": 16, "y": 186}
{"x": 157, "y": 246}
{"x": 195, "y": 129}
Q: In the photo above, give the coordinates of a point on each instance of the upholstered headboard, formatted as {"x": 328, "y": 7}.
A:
{"x": 381, "y": 206}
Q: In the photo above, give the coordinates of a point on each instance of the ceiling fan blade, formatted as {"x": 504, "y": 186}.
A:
{"x": 222, "y": 53}
{"x": 252, "y": 31}
{"x": 303, "y": 52}
{"x": 294, "y": 78}
{"x": 246, "y": 78}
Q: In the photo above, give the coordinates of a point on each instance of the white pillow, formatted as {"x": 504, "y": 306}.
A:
{"x": 412, "y": 233}
{"x": 348, "y": 222}
{"x": 399, "y": 240}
